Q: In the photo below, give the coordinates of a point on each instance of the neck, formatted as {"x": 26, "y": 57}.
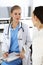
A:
{"x": 41, "y": 26}
{"x": 14, "y": 24}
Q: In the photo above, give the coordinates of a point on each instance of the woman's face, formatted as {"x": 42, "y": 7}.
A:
{"x": 36, "y": 21}
{"x": 16, "y": 15}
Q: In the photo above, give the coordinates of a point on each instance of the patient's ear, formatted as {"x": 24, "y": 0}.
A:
{"x": 36, "y": 18}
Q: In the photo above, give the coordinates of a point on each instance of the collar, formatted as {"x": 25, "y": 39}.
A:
{"x": 19, "y": 24}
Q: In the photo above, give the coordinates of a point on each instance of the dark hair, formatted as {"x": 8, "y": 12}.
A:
{"x": 39, "y": 13}
{"x": 14, "y": 8}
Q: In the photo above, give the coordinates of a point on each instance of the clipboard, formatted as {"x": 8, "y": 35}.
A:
{"x": 11, "y": 57}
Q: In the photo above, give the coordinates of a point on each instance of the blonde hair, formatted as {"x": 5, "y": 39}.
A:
{"x": 15, "y": 7}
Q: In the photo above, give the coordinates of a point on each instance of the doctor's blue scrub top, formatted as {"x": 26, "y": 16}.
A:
{"x": 14, "y": 47}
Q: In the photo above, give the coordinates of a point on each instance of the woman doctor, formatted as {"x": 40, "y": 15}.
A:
{"x": 16, "y": 38}
{"x": 37, "y": 18}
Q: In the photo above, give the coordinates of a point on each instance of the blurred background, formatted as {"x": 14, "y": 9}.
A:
{"x": 27, "y": 9}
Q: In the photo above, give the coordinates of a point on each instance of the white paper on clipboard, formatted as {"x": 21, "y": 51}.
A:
{"x": 11, "y": 57}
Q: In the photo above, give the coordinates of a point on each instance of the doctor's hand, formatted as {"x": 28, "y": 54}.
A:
{"x": 5, "y": 55}
{"x": 22, "y": 55}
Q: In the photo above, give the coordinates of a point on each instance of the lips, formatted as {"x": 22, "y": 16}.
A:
{"x": 17, "y": 18}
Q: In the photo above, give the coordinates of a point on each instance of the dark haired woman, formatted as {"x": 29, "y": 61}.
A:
{"x": 37, "y": 18}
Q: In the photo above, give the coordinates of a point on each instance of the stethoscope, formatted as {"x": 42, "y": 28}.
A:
{"x": 21, "y": 27}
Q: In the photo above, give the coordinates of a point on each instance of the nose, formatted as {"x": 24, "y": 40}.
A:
{"x": 18, "y": 16}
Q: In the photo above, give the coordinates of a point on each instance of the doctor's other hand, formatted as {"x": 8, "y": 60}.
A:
{"x": 22, "y": 55}
{"x": 5, "y": 55}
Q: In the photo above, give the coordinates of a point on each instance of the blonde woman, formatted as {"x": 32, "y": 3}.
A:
{"x": 16, "y": 38}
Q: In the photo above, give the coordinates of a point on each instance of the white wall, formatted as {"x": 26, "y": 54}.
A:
{"x": 12, "y": 2}
{"x": 24, "y": 5}
{"x": 37, "y": 3}
{"x": 21, "y": 3}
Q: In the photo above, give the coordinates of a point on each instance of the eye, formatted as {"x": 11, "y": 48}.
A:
{"x": 15, "y": 13}
{"x": 19, "y": 13}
